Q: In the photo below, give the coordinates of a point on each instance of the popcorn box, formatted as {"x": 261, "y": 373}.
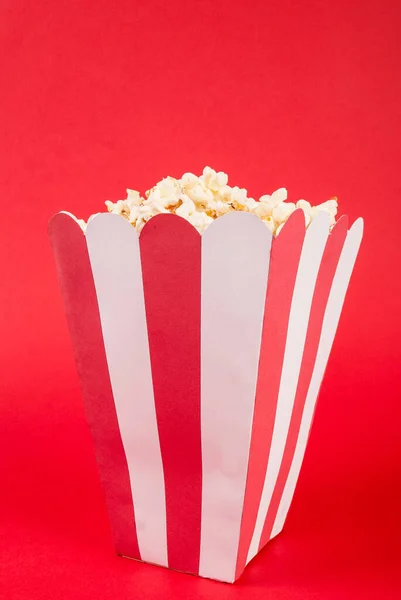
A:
{"x": 200, "y": 360}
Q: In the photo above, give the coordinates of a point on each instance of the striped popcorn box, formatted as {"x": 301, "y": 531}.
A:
{"x": 200, "y": 360}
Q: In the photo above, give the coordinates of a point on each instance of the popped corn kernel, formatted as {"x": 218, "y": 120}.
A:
{"x": 202, "y": 199}
{"x": 275, "y": 198}
{"x": 200, "y": 220}
{"x": 282, "y": 211}
{"x": 119, "y": 208}
{"x": 262, "y": 210}
{"x": 189, "y": 180}
{"x": 217, "y": 181}
{"x": 238, "y": 197}
{"x": 156, "y": 204}
{"x": 207, "y": 174}
{"x": 186, "y": 209}
{"x": 133, "y": 198}
{"x": 200, "y": 195}
{"x": 251, "y": 205}
{"x": 133, "y": 215}
{"x": 144, "y": 214}
{"x": 222, "y": 208}
{"x": 224, "y": 194}
{"x": 306, "y": 208}
{"x": 270, "y": 222}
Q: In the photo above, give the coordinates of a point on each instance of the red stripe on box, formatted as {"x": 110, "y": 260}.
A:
{"x": 80, "y": 302}
{"x": 324, "y": 281}
{"x": 284, "y": 261}
{"x": 171, "y": 267}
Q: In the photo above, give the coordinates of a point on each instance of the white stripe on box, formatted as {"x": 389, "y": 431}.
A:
{"x": 329, "y": 327}
{"x": 311, "y": 255}
{"x": 113, "y": 246}
{"x": 235, "y": 264}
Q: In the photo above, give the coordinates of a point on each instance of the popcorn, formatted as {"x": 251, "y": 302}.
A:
{"x": 212, "y": 180}
{"x": 202, "y": 199}
{"x": 271, "y": 224}
{"x": 224, "y": 193}
{"x": 251, "y": 205}
{"x": 329, "y": 206}
{"x": 186, "y": 209}
{"x": 221, "y": 208}
{"x": 170, "y": 189}
{"x": 275, "y": 199}
{"x": 133, "y": 199}
{"x": 262, "y": 210}
{"x": 308, "y": 211}
{"x": 133, "y": 215}
{"x": 118, "y": 208}
{"x": 282, "y": 211}
{"x": 156, "y": 204}
{"x": 189, "y": 180}
{"x": 144, "y": 214}
{"x": 306, "y": 207}
{"x": 200, "y": 195}
{"x": 200, "y": 220}
{"x": 238, "y": 198}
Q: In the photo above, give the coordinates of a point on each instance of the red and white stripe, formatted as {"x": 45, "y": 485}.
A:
{"x": 116, "y": 266}
{"x": 200, "y": 360}
{"x": 235, "y": 265}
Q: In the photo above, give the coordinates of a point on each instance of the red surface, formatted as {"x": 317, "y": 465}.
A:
{"x": 100, "y": 96}
{"x": 328, "y": 266}
{"x": 284, "y": 262}
{"x": 79, "y": 295}
{"x": 172, "y": 302}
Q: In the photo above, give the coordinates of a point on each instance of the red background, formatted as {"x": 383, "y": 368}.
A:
{"x": 97, "y": 97}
